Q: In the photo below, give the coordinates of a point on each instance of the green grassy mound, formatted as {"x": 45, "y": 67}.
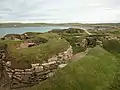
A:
{"x": 113, "y": 46}
{"x": 95, "y": 72}
{"x": 22, "y": 58}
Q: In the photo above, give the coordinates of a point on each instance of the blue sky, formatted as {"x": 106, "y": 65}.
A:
{"x": 60, "y": 11}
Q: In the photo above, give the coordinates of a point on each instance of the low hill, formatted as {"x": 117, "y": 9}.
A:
{"x": 95, "y": 72}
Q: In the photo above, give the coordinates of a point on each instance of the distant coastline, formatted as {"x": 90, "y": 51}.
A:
{"x": 14, "y": 25}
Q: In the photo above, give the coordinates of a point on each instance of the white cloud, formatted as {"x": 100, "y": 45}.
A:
{"x": 89, "y": 11}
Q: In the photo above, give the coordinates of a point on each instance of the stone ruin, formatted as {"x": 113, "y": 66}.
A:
{"x": 112, "y": 37}
{"x": 19, "y": 78}
{"x": 90, "y": 42}
{"x": 26, "y": 44}
{"x": 16, "y": 37}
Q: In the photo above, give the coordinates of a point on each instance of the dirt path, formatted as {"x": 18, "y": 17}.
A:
{"x": 79, "y": 56}
{"x": 86, "y": 31}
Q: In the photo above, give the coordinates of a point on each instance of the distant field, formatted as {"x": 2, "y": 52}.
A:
{"x": 95, "y": 72}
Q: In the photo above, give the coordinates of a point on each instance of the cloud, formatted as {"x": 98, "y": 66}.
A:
{"x": 88, "y": 11}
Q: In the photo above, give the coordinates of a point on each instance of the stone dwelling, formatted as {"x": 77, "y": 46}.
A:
{"x": 88, "y": 42}
{"x": 26, "y": 45}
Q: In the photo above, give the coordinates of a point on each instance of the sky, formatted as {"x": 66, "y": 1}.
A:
{"x": 60, "y": 11}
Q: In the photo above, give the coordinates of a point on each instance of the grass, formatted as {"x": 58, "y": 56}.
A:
{"x": 95, "y": 72}
{"x": 116, "y": 32}
{"x": 49, "y": 36}
{"x": 42, "y": 52}
{"x": 11, "y": 44}
{"x": 74, "y": 34}
{"x": 113, "y": 47}
{"x": 73, "y": 40}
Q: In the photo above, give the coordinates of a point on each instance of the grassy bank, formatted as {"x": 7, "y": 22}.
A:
{"x": 94, "y": 72}
{"x": 113, "y": 47}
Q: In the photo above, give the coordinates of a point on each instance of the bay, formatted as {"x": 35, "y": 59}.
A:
{"x": 20, "y": 30}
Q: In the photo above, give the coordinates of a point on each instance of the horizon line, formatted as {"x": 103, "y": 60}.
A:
{"x": 57, "y": 22}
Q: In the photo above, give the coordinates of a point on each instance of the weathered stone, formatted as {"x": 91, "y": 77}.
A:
{"x": 3, "y": 55}
{"x": 54, "y": 58}
{"x": 66, "y": 57}
{"x": 31, "y": 44}
{"x": 34, "y": 65}
{"x": 8, "y": 63}
{"x": 17, "y": 73}
{"x": 60, "y": 55}
{"x": 53, "y": 62}
{"x": 83, "y": 43}
{"x": 26, "y": 73}
{"x": 65, "y": 52}
{"x": 62, "y": 65}
{"x": 10, "y": 74}
{"x": 53, "y": 66}
{"x": 60, "y": 58}
{"x": 39, "y": 68}
{"x": 50, "y": 74}
{"x": 19, "y": 70}
{"x": 48, "y": 64}
{"x": 28, "y": 70}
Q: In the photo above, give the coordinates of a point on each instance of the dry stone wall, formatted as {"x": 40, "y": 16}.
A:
{"x": 38, "y": 72}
